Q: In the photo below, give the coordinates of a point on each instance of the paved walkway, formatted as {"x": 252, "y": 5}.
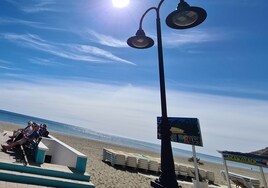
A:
{"x": 11, "y": 159}
{"x": 4, "y": 184}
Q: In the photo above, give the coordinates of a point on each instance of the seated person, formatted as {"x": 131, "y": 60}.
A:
{"x": 26, "y": 137}
{"x": 43, "y": 130}
{"x": 19, "y": 132}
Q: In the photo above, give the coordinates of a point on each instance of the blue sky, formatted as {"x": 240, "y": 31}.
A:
{"x": 68, "y": 61}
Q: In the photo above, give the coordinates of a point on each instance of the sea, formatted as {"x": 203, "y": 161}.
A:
{"x": 21, "y": 120}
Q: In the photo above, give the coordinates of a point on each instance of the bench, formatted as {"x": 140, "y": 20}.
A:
{"x": 35, "y": 150}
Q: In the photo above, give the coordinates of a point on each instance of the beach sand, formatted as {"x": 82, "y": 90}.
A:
{"x": 104, "y": 175}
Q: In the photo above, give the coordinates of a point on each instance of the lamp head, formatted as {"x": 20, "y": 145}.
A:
{"x": 140, "y": 41}
{"x": 186, "y": 16}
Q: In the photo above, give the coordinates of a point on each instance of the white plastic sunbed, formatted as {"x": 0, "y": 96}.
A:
{"x": 131, "y": 160}
{"x": 114, "y": 157}
{"x": 210, "y": 177}
{"x": 181, "y": 169}
{"x": 242, "y": 181}
{"x": 143, "y": 162}
{"x": 202, "y": 172}
{"x": 154, "y": 164}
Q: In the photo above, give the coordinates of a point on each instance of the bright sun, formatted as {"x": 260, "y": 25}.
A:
{"x": 120, "y": 3}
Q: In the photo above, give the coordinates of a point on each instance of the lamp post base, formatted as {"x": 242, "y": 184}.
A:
{"x": 157, "y": 184}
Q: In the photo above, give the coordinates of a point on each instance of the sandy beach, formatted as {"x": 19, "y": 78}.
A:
{"x": 104, "y": 175}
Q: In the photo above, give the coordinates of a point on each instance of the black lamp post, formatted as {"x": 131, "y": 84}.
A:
{"x": 184, "y": 17}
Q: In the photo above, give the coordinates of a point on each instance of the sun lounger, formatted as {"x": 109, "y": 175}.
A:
{"x": 202, "y": 173}
{"x": 242, "y": 181}
{"x": 154, "y": 165}
{"x": 131, "y": 160}
{"x": 181, "y": 169}
{"x": 210, "y": 177}
{"x": 143, "y": 163}
{"x": 176, "y": 166}
{"x": 114, "y": 157}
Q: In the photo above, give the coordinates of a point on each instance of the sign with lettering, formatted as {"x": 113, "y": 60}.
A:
{"x": 246, "y": 158}
{"x": 184, "y": 130}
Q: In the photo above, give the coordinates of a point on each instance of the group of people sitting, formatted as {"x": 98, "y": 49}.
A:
{"x": 21, "y": 136}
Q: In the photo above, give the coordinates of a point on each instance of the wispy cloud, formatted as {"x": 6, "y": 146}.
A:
{"x": 101, "y": 53}
{"x": 175, "y": 39}
{"x": 38, "y": 25}
{"x": 7, "y": 66}
{"x": 42, "y": 61}
{"x": 34, "y": 6}
{"x": 4, "y": 61}
{"x": 226, "y": 89}
{"x": 107, "y": 40}
{"x": 44, "y": 6}
{"x": 69, "y": 51}
{"x": 170, "y": 39}
{"x": 135, "y": 108}
{"x": 4, "y": 67}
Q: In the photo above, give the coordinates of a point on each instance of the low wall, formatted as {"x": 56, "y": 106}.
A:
{"x": 40, "y": 153}
{"x": 64, "y": 154}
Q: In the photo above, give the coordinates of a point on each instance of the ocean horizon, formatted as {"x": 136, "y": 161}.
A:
{"x": 66, "y": 129}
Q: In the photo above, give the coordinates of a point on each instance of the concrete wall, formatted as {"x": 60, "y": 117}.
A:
{"x": 64, "y": 154}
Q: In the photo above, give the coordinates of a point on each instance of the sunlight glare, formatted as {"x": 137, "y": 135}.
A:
{"x": 120, "y": 3}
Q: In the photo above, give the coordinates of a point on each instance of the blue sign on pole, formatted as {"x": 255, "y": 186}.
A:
{"x": 184, "y": 130}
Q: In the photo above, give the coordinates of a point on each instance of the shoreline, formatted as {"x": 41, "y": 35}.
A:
{"x": 104, "y": 175}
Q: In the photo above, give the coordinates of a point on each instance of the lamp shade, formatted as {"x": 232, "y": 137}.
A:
{"x": 140, "y": 41}
{"x": 186, "y": 16}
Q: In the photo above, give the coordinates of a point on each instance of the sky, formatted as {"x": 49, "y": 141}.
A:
{"x": 68, "y": 61}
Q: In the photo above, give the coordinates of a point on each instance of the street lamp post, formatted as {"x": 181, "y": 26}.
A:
{"x": 184, "y": 17}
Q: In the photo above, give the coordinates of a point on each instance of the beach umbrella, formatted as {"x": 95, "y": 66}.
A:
{"x": 262, "y": 152}
{"x": 257, "y": 158}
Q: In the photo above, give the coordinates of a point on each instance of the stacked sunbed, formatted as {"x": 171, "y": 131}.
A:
{"x": 242, "y": 181}
{"x": 114, "y": 157}
{"x": 148, "y": 163}
{"x": 202, "y": 173}
{"x": 210, "y": 177}
{"x": 143, "y": 162}
{"x": 154, "y": 164}
{"x": 181, "y": 169}
{"x": 131, "y": 160}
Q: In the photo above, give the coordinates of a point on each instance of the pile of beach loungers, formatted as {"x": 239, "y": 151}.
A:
{"x": 241, "y": 181}
{"x": 148, "y": 163}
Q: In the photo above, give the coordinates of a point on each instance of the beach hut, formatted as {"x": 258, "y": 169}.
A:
{"x": 257, "y": 158}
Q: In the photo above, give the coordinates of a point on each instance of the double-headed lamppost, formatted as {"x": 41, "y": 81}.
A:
{"x": 184, "y": 17}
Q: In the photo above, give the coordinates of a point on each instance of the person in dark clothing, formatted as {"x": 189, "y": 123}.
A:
{"x": 26, "y": 137}
{"x": 43, "y": 130}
